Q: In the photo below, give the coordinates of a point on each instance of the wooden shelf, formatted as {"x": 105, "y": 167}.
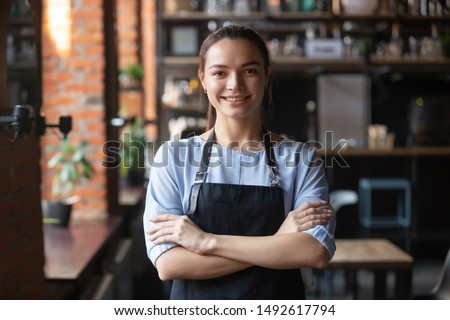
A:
{"x": 437, "y": 64}
{"x": 30, "y": 64}
{"x": 190, "y": 106}
{"x": 177, "y": 61}
{"x": 17, "y": 21}
{"x": 300, "y": 63}
{"x": 185, "y": 16}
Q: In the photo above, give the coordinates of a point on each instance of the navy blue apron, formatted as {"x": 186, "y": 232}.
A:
{"x": 243, "y": 210}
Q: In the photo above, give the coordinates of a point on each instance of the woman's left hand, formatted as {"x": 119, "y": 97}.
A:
{"x": 307, "y": 216}
{"x": 179, "y": 229}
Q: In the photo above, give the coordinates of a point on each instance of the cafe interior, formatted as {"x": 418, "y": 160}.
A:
{"x": 89, "y": 89}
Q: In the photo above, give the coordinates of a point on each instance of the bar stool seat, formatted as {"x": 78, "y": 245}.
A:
{"x": 401, "y": 219}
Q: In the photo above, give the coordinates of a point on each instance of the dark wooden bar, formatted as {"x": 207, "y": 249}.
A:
{"x": 74, "y": 255}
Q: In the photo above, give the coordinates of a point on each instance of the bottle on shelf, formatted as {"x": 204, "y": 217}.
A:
{"x": 10, "y": 50}
{"x": 395, "y": 46}
{"x": 336, "y": 7}
{"x": 311, "y": 114}
{"x": 241, "y": 7}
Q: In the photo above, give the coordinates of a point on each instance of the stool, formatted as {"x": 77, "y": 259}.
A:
{"x": 402, "y": 218}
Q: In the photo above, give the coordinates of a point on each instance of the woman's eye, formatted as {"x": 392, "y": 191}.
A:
{"x": 251, "y": 71}
{"x": 218, "y": 73}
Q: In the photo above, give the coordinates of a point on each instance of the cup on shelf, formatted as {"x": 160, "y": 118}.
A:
{"x": 380, "y": 138}
{"x": 359, "y": 7}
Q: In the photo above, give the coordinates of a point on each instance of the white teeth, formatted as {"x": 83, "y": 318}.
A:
{"x": 235, "y": 99}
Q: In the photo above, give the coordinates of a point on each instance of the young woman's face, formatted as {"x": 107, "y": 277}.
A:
{"x": 234, "y": 77}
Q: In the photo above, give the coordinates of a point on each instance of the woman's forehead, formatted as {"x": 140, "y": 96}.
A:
{"x": 233, "y": 50}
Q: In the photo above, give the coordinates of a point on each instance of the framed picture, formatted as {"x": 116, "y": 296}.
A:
{"x": 184, "y": 40}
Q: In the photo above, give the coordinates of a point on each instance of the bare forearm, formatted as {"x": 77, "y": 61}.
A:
{"x": 180, "y": 263}
{"x": 284, "y": 251}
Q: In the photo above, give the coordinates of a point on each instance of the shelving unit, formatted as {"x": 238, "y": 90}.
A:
{"x": 298, "y": 66}
{"x": 22, "y": 61}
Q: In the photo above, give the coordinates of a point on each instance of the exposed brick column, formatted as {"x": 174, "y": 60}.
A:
{"x": 74, "y": 85}
{"x": 148, "y": 16}
{"x": 128, "y": 43}
{"x": 127, "y": 32}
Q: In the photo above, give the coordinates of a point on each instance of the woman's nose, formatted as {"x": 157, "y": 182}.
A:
{"x": 235, "y": 82}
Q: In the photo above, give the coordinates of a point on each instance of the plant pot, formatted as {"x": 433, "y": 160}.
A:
{"x": 135, "y": 177}
{"x": 57, "y": 213}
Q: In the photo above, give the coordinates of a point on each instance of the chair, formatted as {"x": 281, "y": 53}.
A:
{"x": 400, "y": 221}
{"x": 441, "y": 291}
{"x": 402, "y": 187}
{"x": 338, "y": 199}
{"x": 105, "y": 289}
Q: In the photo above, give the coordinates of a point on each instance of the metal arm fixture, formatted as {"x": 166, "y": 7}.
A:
{"x": 19, "y": 121}
{"x": 64, "y": 125}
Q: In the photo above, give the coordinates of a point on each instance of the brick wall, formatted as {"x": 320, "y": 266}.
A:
{"x": 74, "y": 85}
{"x": 128, "y": 37}
{"x": 21, "y": 239}
{"x": 148, "y": 16}
{"x": 136, "y": 33}
{"x": 128, "y": 47}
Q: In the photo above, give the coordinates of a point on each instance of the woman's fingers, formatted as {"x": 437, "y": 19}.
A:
{"x": 166, "y": 217}
{"x": 178, "y": 229}
{"x": 161, "y": 235}
{"x": 315, "y": 214}
{"x": 312, "y": 204}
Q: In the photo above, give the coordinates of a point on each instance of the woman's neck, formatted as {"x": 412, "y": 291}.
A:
{"x": 238, "y": 134}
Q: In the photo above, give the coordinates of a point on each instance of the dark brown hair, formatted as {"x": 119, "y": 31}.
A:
{"x": 234, "y": 31}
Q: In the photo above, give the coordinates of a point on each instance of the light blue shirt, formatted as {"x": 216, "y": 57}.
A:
{"x": 300, "y": 171}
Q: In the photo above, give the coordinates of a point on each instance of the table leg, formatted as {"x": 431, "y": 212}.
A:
{"x": 351, "y": 277}
{"x": 403, "y": 283}
{"x": 379, "y": 291}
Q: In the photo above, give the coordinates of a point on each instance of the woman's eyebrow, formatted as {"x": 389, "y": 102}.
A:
{"x": 250, "y": 63}
{"x": 217, "y": 66}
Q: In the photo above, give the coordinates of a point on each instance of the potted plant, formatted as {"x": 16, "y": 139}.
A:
{"x": 131, "y": 75}
{"x": 71, "y": 167}
{"x": 132, "y": 152}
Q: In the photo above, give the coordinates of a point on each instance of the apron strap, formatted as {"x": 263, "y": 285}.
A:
{"x": 200, "y": 177}
{"x": 270, "y": 159}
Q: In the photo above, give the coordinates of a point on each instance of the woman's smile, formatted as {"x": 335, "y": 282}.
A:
{"x": 236, "y": 99}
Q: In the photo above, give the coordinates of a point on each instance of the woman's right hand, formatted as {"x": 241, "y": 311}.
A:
{"x": 307, "y": 216}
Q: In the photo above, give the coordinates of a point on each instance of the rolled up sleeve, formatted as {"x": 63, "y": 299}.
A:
{"x": 325, "y": 234}
{"x": 163, "y": 196}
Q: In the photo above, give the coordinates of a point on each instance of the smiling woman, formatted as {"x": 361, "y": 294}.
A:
{"x": 246, "y": 209}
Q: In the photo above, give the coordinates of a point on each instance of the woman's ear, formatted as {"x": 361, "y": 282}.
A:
{"x": 201, "y": 76}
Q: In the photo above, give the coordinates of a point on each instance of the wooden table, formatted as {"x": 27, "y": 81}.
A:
{"x": 377, "y": 255}
{"x": 75, "y": 254}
